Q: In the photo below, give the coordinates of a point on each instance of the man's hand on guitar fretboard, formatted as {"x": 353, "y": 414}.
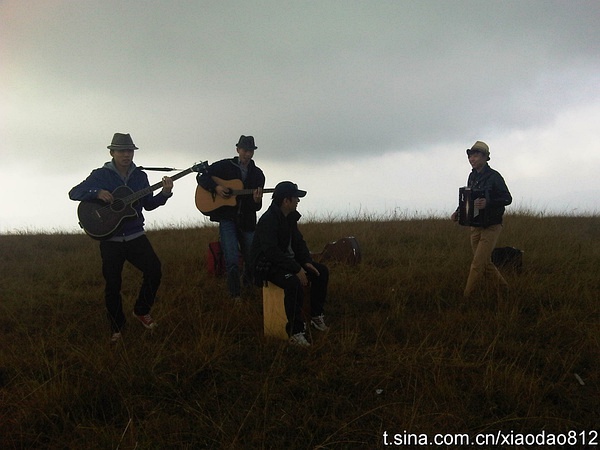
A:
{"x": 167, "y": 185}
{"x": 258, "y": 194}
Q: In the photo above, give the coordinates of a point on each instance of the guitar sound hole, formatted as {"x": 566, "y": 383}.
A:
{"x": 118, "y": 205}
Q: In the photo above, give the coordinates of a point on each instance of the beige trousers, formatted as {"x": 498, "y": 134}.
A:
{"x": 483, "y": 241}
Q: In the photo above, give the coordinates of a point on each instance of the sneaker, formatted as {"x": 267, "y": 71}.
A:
{"x": 146, "y": 320}
{"x": 300, "y": 340}
{"x": 116, "y": 337}
{"x": 319, "y": 323}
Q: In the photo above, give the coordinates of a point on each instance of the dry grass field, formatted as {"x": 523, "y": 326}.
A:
{"x": 405, "y": 355}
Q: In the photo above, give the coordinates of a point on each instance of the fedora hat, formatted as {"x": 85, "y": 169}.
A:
{"x": 122, "y": 141}
{"x": 287, "y": 189}
{"x": 246, "y": 142}
{"x": 480, "y": 147}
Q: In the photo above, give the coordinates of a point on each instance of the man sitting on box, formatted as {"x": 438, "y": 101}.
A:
{"x": 280, "y": 255}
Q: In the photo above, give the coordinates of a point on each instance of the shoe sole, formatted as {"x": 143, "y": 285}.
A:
{"x": 318, "y": 328}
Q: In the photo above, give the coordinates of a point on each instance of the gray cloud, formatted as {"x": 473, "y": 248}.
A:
{"x": 309, "y": 79}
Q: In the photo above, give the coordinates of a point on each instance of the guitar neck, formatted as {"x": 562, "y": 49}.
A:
{"x": 248, "y": 191}
{"x": 142, "y": 193}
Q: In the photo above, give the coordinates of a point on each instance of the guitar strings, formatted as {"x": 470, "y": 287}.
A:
{"x": 127, "y": 200}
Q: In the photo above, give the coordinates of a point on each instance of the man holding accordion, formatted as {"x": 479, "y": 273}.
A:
{"x": 481, "y": 207}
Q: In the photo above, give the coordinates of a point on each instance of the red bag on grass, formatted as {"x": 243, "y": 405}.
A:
{"x": 215, "y": 261}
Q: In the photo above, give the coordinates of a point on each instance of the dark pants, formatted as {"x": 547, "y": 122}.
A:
{"x": 140, "y": 254}
{"x": 294, "y": 295}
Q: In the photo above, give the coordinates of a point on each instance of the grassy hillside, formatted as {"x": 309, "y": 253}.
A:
{"x": 404, "y": 354}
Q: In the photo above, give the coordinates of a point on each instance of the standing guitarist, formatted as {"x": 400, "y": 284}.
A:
{"x": 236, "y": 223}
{"x": 129, "y": 242}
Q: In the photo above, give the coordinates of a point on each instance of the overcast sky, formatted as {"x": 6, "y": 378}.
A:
{"x": 368, "y": 105}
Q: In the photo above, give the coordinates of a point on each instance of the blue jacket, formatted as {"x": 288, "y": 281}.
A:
{"x": 108, "y": 178}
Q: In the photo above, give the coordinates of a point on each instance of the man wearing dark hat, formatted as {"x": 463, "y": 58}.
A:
{"x": 486, "y": 226}
{"x": 129, "y": 241}
{"x": 236, "y": 223}
{"x": 280, "y": 255}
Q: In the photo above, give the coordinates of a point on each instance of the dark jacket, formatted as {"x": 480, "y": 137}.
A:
{"x": 109, "y": 179}
{"x": 244, "y": 212}
{"x": 274, "y": 234}
{"x": 496, "y": 194}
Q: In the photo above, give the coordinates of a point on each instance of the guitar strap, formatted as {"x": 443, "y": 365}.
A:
{"x": 160, "y": 169}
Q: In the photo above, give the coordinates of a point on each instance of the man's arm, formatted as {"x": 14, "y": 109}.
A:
{"x": 90, "y": 188}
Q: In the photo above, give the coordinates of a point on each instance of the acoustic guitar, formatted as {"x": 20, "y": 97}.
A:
{"x": 100, "y": 220}
{"x": 207, "y": 201}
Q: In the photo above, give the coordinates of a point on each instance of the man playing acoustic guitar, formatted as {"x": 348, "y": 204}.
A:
{"x": 128, "y": 242}
{"x": 237, "y": 216}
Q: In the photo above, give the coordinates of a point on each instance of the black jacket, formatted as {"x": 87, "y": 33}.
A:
{"x": 496, "y": 194}
{"x": 274, "y": 234}
{"x": 244, "y": 212}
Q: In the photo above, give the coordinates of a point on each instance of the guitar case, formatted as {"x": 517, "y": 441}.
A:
{"x": 345, "y": 250}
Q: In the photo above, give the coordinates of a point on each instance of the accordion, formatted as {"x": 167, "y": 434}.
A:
{"x": 468, "y": 215}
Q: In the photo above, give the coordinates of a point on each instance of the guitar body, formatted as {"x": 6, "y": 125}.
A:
{"x": 101, "y": 220}
{"x": 206, "y": 201}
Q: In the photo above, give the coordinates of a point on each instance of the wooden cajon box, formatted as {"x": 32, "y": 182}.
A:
{"x": 274, "y": 312}
{"x": 274, "y": 316}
